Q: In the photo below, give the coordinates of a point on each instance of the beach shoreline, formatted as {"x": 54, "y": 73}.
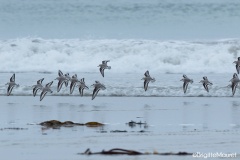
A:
{"x": 174, "y": 124}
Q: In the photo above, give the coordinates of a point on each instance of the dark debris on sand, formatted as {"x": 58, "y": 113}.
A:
{"x": 120, "y": 151}
{"x": 55, "y": 124}
{"x": 134, "y": 124}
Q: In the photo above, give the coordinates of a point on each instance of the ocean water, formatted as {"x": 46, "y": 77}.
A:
{"x": 164, "y": 37}
{"x": 106, "y": 19}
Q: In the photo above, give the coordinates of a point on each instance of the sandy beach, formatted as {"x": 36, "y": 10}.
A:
{"x": 191, "y": 124}
{"x": 169, "y": 39}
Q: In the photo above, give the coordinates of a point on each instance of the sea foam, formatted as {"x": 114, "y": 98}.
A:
{"x": 126, "y": 56}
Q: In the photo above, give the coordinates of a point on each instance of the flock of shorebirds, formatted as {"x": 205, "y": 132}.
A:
{"x": 65, "y": 78}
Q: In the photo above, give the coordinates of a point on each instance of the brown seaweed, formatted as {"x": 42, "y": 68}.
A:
{"x": 120, "y": 151}
{"x": 55, "y": 124}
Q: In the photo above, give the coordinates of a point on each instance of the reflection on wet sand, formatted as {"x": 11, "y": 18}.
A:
{"x": 166, "y": 124}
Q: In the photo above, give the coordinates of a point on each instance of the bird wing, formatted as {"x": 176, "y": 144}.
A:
{"x": 66, "y": 83}
{"x": 95, "y": 92}
{"x": 60, "y": 73}
{"x": 234, "y": 86}
{"x": 12, "y": 79}
{"x": 81, "y": 91}
{"x": 185, "y": 85}
{"x": 40, "y": 81}
{"x": 49, "y": 84}
{"x": 237, "y": 68}
{"x": 9, "y": 90}
{"x": 146, "y": 74}
{"x": 146, "y": 85}
{"x": 105, "y": 62}
{"x": 205, "y": 85}
{"x": 72, "y": 85}
{"x": 35, "y": 91}
{"x": 60, "y": 83}
{"x": 86, "y": 87}
{"x": 102, "y": 71}
{"x": 43, "y": 95}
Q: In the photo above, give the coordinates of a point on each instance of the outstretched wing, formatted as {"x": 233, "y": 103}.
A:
{"x": 81, "y": 91}
{"x": 105, "y": 62}
{"x": 60, "y": 73}
{"x": 234, "y": 86}
{"x": 43, "y": 95}
{"x": 35, "y": 91}
{"x": 95, "y": 92}
{"x": 72, "y": 86}
{"x": 86, "y": 87}
{"x": 102, "y": 71}
{"x": 205, "y": 85}
{"x": 146, "y": 74}
{"x": 66, "y": 83}
{"x": 12, "y": 79}
{"x": 237, "y": 68}
{"x": 49, "y": 84}
{"x": 9, "y": 90}
{"x": 60, "y": 83}
{"x": 74, "y": 76}
{"x": 40, "y": 81}
{"x": 146, "y": 85}
{"x": 185, "y": 85}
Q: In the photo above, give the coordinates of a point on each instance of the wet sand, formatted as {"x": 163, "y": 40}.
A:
{"x": 191, "y": 124}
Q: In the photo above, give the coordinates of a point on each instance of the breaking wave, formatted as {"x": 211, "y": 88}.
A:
{"x": 126, "y": 56}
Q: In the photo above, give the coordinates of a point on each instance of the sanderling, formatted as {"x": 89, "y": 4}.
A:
{"x": 37, "y": 86}
{"x": 235, "y": 80}
{"x": 147, "y": 79}
{"x": 61, "y": 79}
{"x": 186, "y": 81}
{"x": 11, "y": 84}
{"x": 45, "y": 90}
{"x": 97, "y": 87}
{"x": 74, "y": 80}
{"x": 82, "y": 86}
{"x": 237, "y": 65}
{"x": 104, "y": 66}
{"x": 205, "y": 83}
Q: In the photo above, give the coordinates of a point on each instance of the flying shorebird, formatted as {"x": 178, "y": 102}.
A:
{"x": 37, "y": 86}
{"x": 104, "y": 66}
{"x": 237, "y": 65}
{"x": 11, "y": 84}
{"x": 61, "y": 79}
{"x": 45, "y": 90}
{"x": 82, "y": 86}
{"x": 186, "y": 81}
{"x": 205, "y": 83}
{"x": 235, "y": 80}
{"x": 74, "y": 81}
{"x": 97, "y": 87}
{"x": 147, "y": 79}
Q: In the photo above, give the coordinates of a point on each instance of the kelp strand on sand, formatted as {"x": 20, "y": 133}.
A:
{"x": 120, "y": 151}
